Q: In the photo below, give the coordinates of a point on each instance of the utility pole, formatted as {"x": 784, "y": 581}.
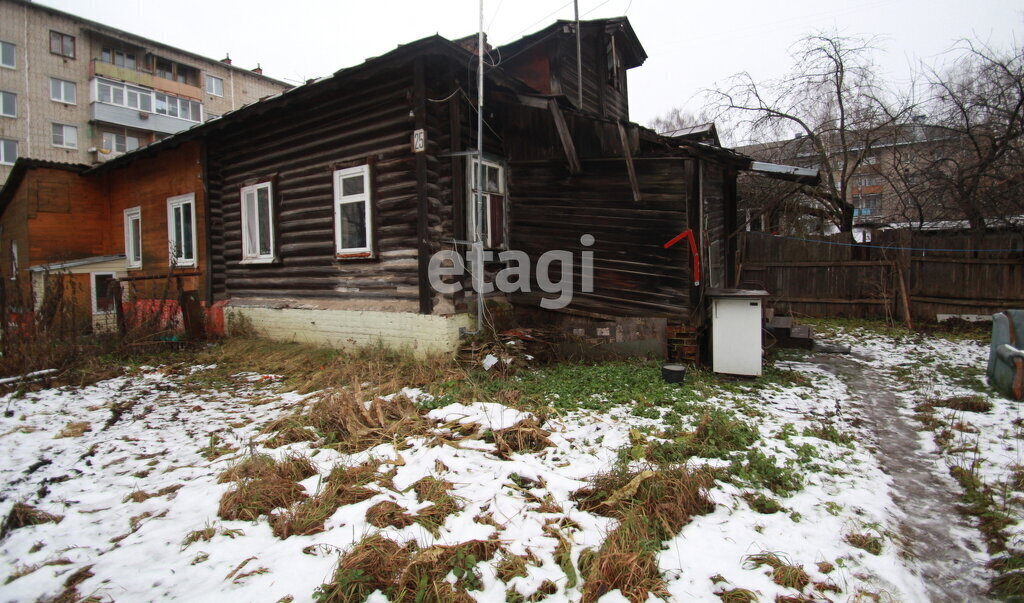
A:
{"x": 579, "y": 57}
{"x": 478, "y": 197}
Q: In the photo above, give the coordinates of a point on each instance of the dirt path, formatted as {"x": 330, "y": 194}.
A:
{"x": 942, "y": 542}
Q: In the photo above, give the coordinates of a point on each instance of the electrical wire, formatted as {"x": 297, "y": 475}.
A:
{"x": 595, "y": 8}
{"x": 888, "y": 247}
{"x": 441, "y": 100}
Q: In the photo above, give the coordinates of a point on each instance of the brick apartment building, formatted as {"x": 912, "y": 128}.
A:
{"x": 76, "y": 91}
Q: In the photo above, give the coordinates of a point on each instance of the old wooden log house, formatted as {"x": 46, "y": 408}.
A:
{"x": 316, "y": 213}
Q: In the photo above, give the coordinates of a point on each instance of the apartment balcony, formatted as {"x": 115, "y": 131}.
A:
{"x": 144, "y": 78}
{"x": 139, "y": 120}
{"x": 140, "y": 107}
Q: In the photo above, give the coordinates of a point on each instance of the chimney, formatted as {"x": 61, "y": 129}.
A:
{"x": 258, "y": 70}
{"x": 227, "y": 59}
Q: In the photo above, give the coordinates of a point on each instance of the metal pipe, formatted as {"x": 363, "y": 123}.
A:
{"x": 478, "y": 199}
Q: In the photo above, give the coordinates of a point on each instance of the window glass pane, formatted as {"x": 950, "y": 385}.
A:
{"x": 145, "y": 102}
{"x": 57, "y": 134}
{"x": 55, "y": 42}
{"x": 8, "y": 104}
{"x": 103, "y": 91}
{"x": 7, "y": 54}
{"x": 101, "y": 288}
{"x": 8, "y": 151}
{"x": 132, "y": 143}
{"x": 353, "y": 225}
{"x": 176, "y": 228}
{"x": 491, "y": 175}
{"x": 161, "y": 103}
{"x": 352, "y": 185}
{"x": 105, "y": 55}
{"x": 69, "y": 46}
{"x": 70, "y": 92}
{"x": 135, "y": 226}
{"x": 70, "y": 136}
{"x": 117, "y": 95}
{"x": 129, "y": 61}
{"x": 263, "y": 217}
{"x": 186, "y": 227}
{"x": 495, "y": 220}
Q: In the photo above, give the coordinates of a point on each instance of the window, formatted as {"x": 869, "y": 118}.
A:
{"x": 8, "y": 151}
{"x": 14, "y": 260}
{"x": 352, "y": 220}
{"x": 181, "y": 229}
{"x": 257, "y": 223}
{"x": 614, "y": 64}
{"x": 214, "y": 85}
{"x": 65, "y": 136}
{"x": 63, "y": 91}
{"x": 125, "y": 95}
{"x": 169, "y": 70}
{"x": 866, "y": 205}
{"x": 8, "y": 56}
{"x": 62, "y": 44}
{"x": 493, "y": 234}
{"x": 133, "y": 237}
{"x": 8, "y": 104}
{"x": 178, "y": 107}
{"x": 102, "y": 294}
{"x": 119, "y": 143}
{"x": 118, "y": 58}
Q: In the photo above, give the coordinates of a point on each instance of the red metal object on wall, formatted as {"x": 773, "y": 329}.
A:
{"x": 688, "y": 234}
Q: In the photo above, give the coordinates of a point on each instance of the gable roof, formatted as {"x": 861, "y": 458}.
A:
{"x": 634, "y": 54}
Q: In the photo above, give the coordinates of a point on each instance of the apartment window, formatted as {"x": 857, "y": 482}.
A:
{"x": 493, "y": 234}
{"x": 102, "y": 295}
{"x": 214, "y": 85}
{"x": 181, "y": 229}
{"x": 8, "y": 104}
{"x": 124, "y": 95}
{"x": 118, "y": 58}
{"x": 133, "y": 237}
{"x": 866, "y": 205}
{"x": 8, "y": 151}
{"x": 65, "y": 136}
{"x": 614, "y": 64}
{"x": 62, "y": 44}
{"x": 169, "y": 70}
{"x": 119, "y": 143}
{"x": 257, "y": 223}
{"x": 63, "y": 91}
{"x": 178, "y": 107}
{"x": 352, "y": 219}
{"x": 8, "y": 55}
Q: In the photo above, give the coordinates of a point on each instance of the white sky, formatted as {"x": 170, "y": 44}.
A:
{"x": 691, "y": 45}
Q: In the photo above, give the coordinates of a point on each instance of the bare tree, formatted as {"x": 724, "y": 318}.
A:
{"x": 672, "y": 120}
{"x": 836, "y": 105}
{"x": 972, "y": 162}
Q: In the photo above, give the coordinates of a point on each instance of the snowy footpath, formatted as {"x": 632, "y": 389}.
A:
{"x": 119, "y": 484}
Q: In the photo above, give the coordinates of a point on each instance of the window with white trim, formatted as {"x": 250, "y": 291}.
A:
{"x": 8, "y": 104}
{"x": 8, "y": 55}
{"x": 181, "y": 230}
{"x": 116, "y": 142}
{"x": 102, "y": 299}
{"x": 353, "y": 234}
{"x": 65, "y": 136}
{"x": 8, "y": 151}
{"x": 257, "y": 223}
{"x": 493, "y": 233}
{"x": 133, "y": 237}
{"x": 214, "y": 85}
{"x": 63, "y": 91}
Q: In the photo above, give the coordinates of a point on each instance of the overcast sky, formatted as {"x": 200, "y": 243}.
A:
{"x": 691, "y": 45}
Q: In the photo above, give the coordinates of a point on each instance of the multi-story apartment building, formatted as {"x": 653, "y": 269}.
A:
{"x": 76, "y": 91}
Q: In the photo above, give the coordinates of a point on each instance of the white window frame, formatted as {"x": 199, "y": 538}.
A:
{"x": 473, "y": 173}
{"x": 168, "y": 100}
{"x": 213, "y": 89}
{"x": 15, "y": 102}
{"x": 4, "y": 159}
{"x": 63, "y": 89}
{"x": 340, "y": 199}
{"x": 175, "y": 258}
{"x": 63, "y": 135}
{"x": 92, "y": 292}
{"x": 132, "y": 214}
{"x": 249, "y": 255}
{"x": 14, "y": 55}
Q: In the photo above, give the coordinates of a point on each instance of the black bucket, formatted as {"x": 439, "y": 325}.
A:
{"x": 673, "y": 373}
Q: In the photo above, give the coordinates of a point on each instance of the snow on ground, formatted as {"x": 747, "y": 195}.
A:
{"x": 159, "y": 451}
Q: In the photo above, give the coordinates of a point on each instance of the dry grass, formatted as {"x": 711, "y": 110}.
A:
{"x": 388, "y": 514}
{"x": 205, "y": 535}
{"x": 74, "y": 430}
{"x": 869, "y": 542}
{"x": 375, "y": 563}
{"x": 513, "y": 566}
{"x": 350, "y": 481}
{"x": 294, "y": 467}
{"x": 309, "y": 515}
{"x": 652, "y": 506}
{"x": 524, "y": 436}
{"x": 783, "y": 573}
{"x": 971, "y": 403}
{"x": 23, "y": 515}
{"x": 287, "y": 430}
{"x": 737, "y": 595}
{"x": 251, "y": 498}
{"x": 141, "y": 495}
{"x": 349, "y": 425}
{"x": 433, "y": 490}
{"x": 424, "y": 577}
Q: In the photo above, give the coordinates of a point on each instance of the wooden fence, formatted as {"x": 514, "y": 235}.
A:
{"x": 922, "y": 274}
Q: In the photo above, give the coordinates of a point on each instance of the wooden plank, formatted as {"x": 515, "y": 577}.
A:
{"x": 817, "y": 300}
{"x": 994, "y": 261}
{"x": 566, "y": 138}
{"x": 633, "y": 183}
{"x": 835, "y": 264}
{"x": 968, "y": 302}
{"x": 422, "y": 201}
